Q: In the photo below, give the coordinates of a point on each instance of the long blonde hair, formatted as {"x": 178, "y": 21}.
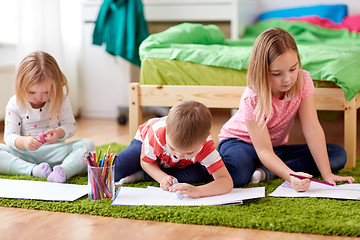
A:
{"x": 267, "y": 47}
{"x": 35, "y": 68}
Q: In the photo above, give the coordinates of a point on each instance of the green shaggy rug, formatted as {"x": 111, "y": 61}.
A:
{"x": 305, "y": 215}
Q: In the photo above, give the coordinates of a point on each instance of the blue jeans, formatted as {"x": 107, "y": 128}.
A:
{"x": 241, "y": 159}
{"x": 128, "y": 162}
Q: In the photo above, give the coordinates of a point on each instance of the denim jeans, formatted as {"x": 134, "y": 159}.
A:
{"x": 128, "y": 162}
{"x": 241, "y": 159}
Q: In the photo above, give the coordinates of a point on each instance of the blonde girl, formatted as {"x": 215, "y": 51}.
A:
{"x": 252, "y": 142}
{"x": 38, "y": 120}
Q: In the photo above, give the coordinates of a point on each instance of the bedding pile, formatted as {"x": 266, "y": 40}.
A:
{"x": 328, "y": 54}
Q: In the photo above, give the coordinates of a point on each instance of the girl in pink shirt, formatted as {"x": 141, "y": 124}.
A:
{"x": 252, "y": 142}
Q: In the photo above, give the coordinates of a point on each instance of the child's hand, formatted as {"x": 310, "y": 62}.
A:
{"x": 186, "y": 189}
{"x": 300, "y": 185}
{"x": 53, "y": 134}
{"x": 332, "y": 178}
{"x": 31, "y": 143}
{"x": 166, "y": 182}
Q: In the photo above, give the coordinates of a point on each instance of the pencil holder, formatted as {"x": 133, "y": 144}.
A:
{"x": 101, "y": 182}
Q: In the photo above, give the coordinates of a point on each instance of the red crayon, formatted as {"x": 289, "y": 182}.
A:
{"x": 311, "y": 179}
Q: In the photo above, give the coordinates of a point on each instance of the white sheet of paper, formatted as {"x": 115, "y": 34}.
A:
{"x": 40, "y": 190}
{"x": 153, "y": 196}
{"x": 344, "y": 191}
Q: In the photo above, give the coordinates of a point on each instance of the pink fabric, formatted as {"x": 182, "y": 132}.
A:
{"x": 280, "y": 121}
{"x": 316, "y": 20}
{"x": 352, "y": 23}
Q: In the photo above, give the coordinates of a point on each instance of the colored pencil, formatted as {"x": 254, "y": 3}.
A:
{"x": 100, "y": 178}
{"x": 311, "y": 179}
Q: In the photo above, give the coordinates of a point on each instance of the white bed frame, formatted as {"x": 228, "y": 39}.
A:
{"x": 332, "y": 99}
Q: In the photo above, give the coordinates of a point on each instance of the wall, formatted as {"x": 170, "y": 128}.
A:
{"x": 7, "y": 75}
{"x": 104, "y": 79}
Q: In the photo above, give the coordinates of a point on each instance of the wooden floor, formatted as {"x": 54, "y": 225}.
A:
{"x": 35, "y": 224}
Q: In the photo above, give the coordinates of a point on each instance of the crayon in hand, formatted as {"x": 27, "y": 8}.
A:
{"x": 311, "y": 179}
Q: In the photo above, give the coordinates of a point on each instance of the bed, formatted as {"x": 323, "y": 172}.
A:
{"x": 195, "y": 61}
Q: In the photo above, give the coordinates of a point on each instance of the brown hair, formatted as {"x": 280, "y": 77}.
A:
{"x": 188, "y": 123}
{"x": 37, "y": 67}
{"x": 267, "y": 47}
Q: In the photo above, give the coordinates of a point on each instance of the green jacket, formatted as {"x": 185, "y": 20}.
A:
{"x": 122, "y": 27}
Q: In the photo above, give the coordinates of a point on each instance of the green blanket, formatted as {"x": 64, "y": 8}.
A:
{"x": 331, "y": 55}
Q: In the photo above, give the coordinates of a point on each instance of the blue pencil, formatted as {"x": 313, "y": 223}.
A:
{"x": 175, "y": 181}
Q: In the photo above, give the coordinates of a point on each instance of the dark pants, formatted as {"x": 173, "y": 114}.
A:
{"x": 241, "y": 159}
{"x": 128, "y": 162}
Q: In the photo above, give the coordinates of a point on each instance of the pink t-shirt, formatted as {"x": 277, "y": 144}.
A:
{"x": 280, "y": 121}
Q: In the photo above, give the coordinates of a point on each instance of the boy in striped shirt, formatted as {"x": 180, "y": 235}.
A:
{"x": 176, "y": 146}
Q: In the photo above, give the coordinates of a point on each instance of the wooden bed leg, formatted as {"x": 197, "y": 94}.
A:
{"x": 135, "y": 110}
{"x": 350, "y": 132}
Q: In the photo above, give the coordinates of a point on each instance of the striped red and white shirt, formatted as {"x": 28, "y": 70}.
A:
{"x": 152, "y": 134}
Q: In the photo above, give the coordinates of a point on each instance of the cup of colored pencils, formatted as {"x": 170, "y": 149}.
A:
{"x": 100, "y": 175}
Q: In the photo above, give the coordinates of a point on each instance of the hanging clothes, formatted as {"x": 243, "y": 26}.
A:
{"x": 122, "y": 27}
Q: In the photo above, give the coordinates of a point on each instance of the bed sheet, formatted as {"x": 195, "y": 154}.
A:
{"x": 173, "y": 72}
{"x": 328, "y": 54}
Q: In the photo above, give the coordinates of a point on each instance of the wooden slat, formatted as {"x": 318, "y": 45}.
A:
{"x": 350, "y": 115}
{"x": 332, "y": 99}
{"x": 357, "y": 101}
{"x": 211, "y": 96}
{"x": 135, "y": 111}
{"x": 225, "y": 96}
